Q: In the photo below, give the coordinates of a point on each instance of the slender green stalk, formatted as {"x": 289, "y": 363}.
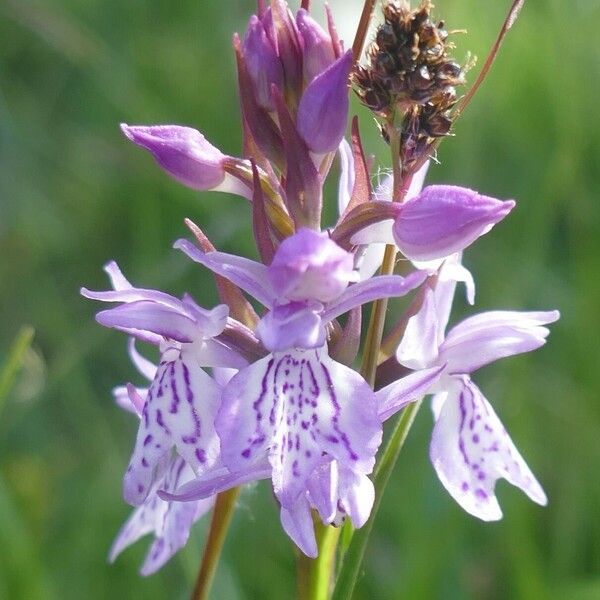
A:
{"x": 14, "y": 361}
{"x": 222, "y": 513}
{"x": 353, "y": 558}
{"x": 322, "y": 569}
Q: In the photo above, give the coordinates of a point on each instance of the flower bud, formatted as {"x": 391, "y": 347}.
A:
{"x": 318, "y": 52}
{"x": 323, "y": 109}
{"x": 264, "y": 67}
{"x": 183, "y": 152}
{"x": 444, "y": 219}
{"x": 311, "y": 266}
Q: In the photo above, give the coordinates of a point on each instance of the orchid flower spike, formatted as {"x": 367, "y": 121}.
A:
{"x": 470, "y": 449}
{"x": 182, "y": 398}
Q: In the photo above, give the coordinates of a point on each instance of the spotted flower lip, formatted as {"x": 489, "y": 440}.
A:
{"x": 470, "y": 449}
{"x": 182, "y": 398}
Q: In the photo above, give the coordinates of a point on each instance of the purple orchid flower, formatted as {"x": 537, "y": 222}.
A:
{"x": 170, "y": 522}
{"x": 470, "y": 449}
{"x": 182, "y": 398}
{"x": 295, "y": 410}
{"x": 187, "y": 156}
{"x": 437, "y": 222}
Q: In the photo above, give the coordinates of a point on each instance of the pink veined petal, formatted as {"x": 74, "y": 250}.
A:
{"x": 298, "y": 524}
{"x": 397, "y": 395}
{"x": 470, "y": 450}
{"x": 383, "y": 286}
{"x": 249, "y": 275}
{"x": 293, "y": 407}
{"x": 216, "y": 481}
{"x": 152, "y": 317}
{"x": 419, "y": 347}
{"x": 179, "y": 412}
{"x": 492, "y": 335}
{"x": 346, "y": 182}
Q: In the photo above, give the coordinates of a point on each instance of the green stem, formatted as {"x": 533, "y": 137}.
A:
{"x": 323, "y": 567}
{"x": 222, "y": 513}
{"x": 351, "y": 566}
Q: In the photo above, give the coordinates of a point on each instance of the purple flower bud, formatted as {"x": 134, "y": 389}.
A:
{"x": 311, "y": 266}
{"x": 281, "y": 29}
{"x": 262, "y": 62}
{"x": 444, "y": 219}
{"x": 323, "y": 109}
{"x": 318, "y": 51}
{"x": 183, "y": 152}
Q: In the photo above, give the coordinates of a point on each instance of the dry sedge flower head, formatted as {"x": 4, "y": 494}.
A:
{"x": 409, "y": 67}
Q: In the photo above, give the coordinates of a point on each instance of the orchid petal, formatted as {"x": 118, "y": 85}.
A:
{"x": 298, "y": 524}
{"x": 117, "y": 279}
{"x": 291, "y": 325}
{"x": 323, "y": 487}
{"x": 397, "y": 395}
{"x": 152, "y": 317}
{"x": 383, "y": 286}
{"x": 214, "y": 482}
{"x": 248, "y": 275}
{"x": 347, "y": 176}
{"x": 357, "y": 495}
{"x": 419, "y": 347}
{"x": 130, "y": 398}
{"x": 470, "y": 450}
{"x": 142, "y": 364}
{"x": 304, "y": 404}
{"x": 489, "y": 336}
{"x": 442, "y": 220}
{"x": 182, "y": 152}
{"x": 179, "y": 412}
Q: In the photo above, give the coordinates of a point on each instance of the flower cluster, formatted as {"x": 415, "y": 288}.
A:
{"x": 280, "y": 399}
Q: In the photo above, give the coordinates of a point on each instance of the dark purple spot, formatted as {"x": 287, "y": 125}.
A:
{"x": 246, "y": 453}
{"x": 147, "y": 439}
{"x": 200, "y": 455}
{"x": 465, "y": 486}
{"x": 475, "y": 439}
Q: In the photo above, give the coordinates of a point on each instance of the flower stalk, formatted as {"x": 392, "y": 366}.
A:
{"x": 221, "y": 518}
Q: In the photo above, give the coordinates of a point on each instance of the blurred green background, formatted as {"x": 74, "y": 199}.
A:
{"x": 74, "y": 194}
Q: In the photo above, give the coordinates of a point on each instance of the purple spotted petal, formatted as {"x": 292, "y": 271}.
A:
{"x": 489, "y": 336}
{"x": 247, "y": 274}
{"x": 179, "y": 412}
{"x": 445, "y": 219}
{"x": 170, "y": 522}
{"x": 470, "y": 450}
{"x": 383, "y": 286}
{"x": 323, "y": 108}
{"x": 292, "y": 407}
{"x": 397, "y": 395}
{"x": 317, "y": 47}
{"x": 292, "y": 325}
{"x": 298, "y": 524}
{"x": 184, "y": 153}
{"x": 310, "y": 266}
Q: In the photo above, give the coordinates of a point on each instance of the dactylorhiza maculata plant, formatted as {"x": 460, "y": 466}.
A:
{"x": 281, "y": 399}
